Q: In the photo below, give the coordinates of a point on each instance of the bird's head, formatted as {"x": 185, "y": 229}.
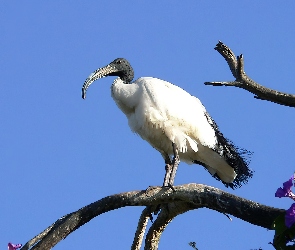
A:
{"x": 119, "y": 67}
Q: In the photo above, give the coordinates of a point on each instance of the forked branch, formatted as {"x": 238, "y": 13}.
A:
{"x": 242, "y": 80}
{"x": 185, "y": 198}
{"x": 168, "y": 213}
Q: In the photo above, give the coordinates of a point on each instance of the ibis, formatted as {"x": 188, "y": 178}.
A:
{"x": 175, "y": 123}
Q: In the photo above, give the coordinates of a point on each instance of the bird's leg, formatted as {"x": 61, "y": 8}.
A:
{"x": 168, "y": 168}
{"x": 175, "y": 163}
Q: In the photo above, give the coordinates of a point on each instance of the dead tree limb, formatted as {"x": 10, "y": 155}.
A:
{"x": 242, "y": 80}
{"x": 140, "y": 231}
{"x": 167, "y": 214}
{"x": 185, "y": 198}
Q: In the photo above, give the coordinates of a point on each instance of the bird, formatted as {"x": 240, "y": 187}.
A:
{"x": 175, "y": 123}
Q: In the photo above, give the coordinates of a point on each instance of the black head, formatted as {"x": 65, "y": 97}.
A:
{"x": 123, "y": 69}
{"x": 119, "y": 67}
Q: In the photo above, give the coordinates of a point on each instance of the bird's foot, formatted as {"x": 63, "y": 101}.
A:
{"x": 171, "y": 186}
{"x": 150, "y": 188}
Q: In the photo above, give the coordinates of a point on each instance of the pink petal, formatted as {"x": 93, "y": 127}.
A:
{"x": 288, "y": 184}
{"x": 14, "y": 246}
{"x": 286, "y": 190}
{"x": 281, "y": 193}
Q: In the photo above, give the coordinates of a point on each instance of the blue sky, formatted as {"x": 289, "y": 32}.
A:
{"x": 59, "y": 152}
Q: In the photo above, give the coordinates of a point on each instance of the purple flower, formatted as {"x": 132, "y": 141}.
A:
{"x": 13, "y": 246}
{"x": 290, "y": 216}
{"x": 286, "y": 190}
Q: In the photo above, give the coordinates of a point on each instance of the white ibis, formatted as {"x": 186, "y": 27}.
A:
{"x": 175, "y": 123}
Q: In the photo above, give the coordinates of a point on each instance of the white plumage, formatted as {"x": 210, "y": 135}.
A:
{"x": 167, "y": 116}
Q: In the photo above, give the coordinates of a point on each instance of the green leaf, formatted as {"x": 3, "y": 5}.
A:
{"x": 279, "y": 224}
{"x": 282, "y": 234}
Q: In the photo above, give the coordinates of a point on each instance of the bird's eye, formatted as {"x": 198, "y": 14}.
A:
{"x": 119, "y": 62}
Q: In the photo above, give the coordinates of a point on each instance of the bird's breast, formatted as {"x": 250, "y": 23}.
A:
{"x": 126, "y": 96}
{"x": 152, "y": 132}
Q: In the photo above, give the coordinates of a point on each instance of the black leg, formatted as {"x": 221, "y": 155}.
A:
{"x": 168, "y": 168}
{"x": 175, "y": 163}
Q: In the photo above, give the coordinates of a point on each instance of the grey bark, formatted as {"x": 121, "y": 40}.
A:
{"x": 185, "y": 198}
{"x": 242, "y": 80}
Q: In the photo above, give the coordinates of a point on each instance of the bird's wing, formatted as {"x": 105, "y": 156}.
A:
{"x": 237, "y": 158}
{"x": 181, "y": 115}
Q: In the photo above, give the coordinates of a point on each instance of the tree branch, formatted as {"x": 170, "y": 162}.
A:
{"x": 140, "y": 231}
{"x": 167, "y": 214}
{"x": 185, "y": 197}
{"x": 236, "y": 65}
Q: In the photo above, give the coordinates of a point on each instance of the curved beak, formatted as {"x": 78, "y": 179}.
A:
{"x": 97, "y": 74}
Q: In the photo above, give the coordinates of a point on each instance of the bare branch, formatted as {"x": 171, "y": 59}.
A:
{"x": 189, "y": 196}
{"x": 243, "y": 81}
{"x": 140, "y": 231}
{"x": 167, "y": 214}
{"x": 156, "y": 230}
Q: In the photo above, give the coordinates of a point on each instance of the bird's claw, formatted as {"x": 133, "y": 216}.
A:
{"x": 170, "y": 186}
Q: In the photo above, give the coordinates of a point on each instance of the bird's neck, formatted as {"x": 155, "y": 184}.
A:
{"x": 119, "y": 81}
{"x": 124, "y": 95}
